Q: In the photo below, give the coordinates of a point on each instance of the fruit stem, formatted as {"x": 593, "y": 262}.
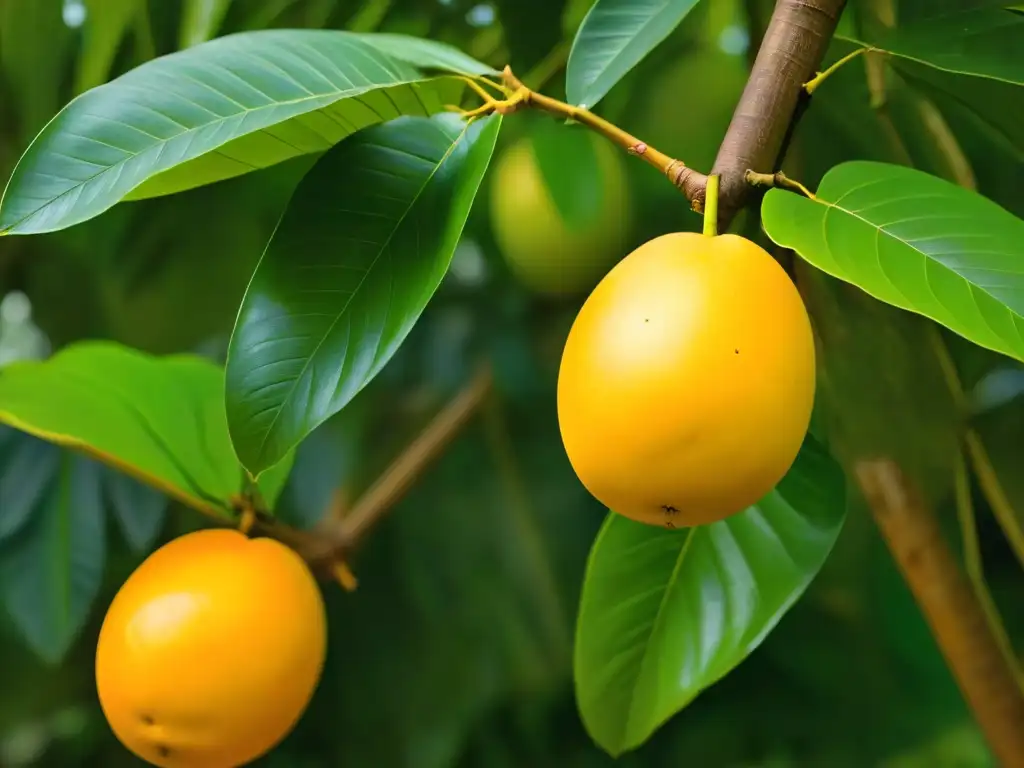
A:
{"x": 711, "y": 206}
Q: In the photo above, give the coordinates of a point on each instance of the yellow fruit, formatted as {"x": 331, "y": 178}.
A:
{"x": 546, "y": 252}
{"x": 211, "y": 650}
{"x": 687, "y": 380}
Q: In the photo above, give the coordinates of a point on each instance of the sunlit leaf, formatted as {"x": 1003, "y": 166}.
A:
{"x": 159, "y": 419}
{"x": 665, "y": 614}
{"x": 51, "y": 572}
{"x": 27, "y": 467}
{"x": 915, "y": 241}
{"x": 347, "y": 274}
{"x": 216, "y": 110}
{"x": 614, "y": 37}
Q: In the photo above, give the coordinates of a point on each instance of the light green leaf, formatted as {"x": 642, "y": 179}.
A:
{"x": 200, "y": 20}
{"x": 140, "y": 510}
{"x": 160, "y": 420}
{"x": 51, "y": 572}
{"x": 106, "y": 22}
{"x": 614, "y": 37}
{"x": 348, "y": 272}
{"x": 914, "y": 241}
{"x": 217, "y": 110}
{"x": 665, "y": 614}
{"x": 27, "y": 467}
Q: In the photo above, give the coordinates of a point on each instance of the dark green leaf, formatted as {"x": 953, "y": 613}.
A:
{"x": 160, "y": 419}
{"x": 984, "y": 42}
{"x": 139, "y": 509}
{"x": 27, "y": 467}
{"x": 51, "y": 572}
{"x": 614, "y": 37}
{"x": 200, "y": 20}
{"x": 665, "y": 614}
{"x": 915, "y": 241}
{"x": 216, "y": 110}
{"x": 348, "y": 272}
{"x": 106, "y": 23}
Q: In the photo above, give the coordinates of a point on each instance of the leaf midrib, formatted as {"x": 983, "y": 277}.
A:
{"x": 355, "y": 291}
{"x": 656, "y": 628}
{"x": 332, "y": 96}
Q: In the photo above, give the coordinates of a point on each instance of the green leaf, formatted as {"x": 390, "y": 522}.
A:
{"x": 614, "y": 37}
{"x": 569, "y": 165}
{"x": 105, "y": 25}
{"x": 347, "y": 274}
{"x": 160, "y": 420}
{"x": 914, "y": 241}
{"x": 425, "y": 54}
{"x": 27, "y": 467}
{"x": 665, "y": 614}
{"x": 217, "y": 110}
{"x": 200, "y": 21}
{"x": 983, "y": 42}
{"x": 140, "y": 510}
{"x": 51, "y": 572}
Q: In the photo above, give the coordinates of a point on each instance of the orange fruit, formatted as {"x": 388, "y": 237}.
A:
{"x": 211, "y": 650}
{"x": 687, "y": 380}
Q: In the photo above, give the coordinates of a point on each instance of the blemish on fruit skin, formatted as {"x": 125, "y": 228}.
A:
{"x": 163, "y": 750}
{"x": 147, "y": 720}
{"x": 736, "y": 351}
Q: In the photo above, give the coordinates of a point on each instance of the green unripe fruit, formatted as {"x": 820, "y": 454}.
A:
{"x": 554, "y": 254}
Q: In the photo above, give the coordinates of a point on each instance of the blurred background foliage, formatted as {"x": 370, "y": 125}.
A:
{"x": 456, "y": 649}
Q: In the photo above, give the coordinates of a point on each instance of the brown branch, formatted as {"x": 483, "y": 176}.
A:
{"x": 985, "y": 676}
{"x": 791, "y": 50}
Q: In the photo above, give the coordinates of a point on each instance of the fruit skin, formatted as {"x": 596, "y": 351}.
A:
{"x": 211, "y": 650}
{"x": 546, "y": 253}
{"x": 687, "y": 380}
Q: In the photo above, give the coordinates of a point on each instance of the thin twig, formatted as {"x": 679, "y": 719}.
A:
{"x": 988, "y": 682}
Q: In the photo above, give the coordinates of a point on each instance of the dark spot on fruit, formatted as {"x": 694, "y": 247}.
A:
{"x": 670, "y": 524}
{"x": 163, "y": 750}
{"x": 647, "y": 319}
{"x": 668, "y": 509}
{"x": 736, "y": 351}
{"x": 147, "y": 720}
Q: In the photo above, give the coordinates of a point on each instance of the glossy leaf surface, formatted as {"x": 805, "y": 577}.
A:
{"x": 614, "y": 37}
{"x": 158, "y": 419}
{"x": 217, "y": 110}
{"x": 914, "y": 241}
{"x": 348, "y": 272}
{"x": 665, "y": 614}
{"x": 51, "y": 571}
